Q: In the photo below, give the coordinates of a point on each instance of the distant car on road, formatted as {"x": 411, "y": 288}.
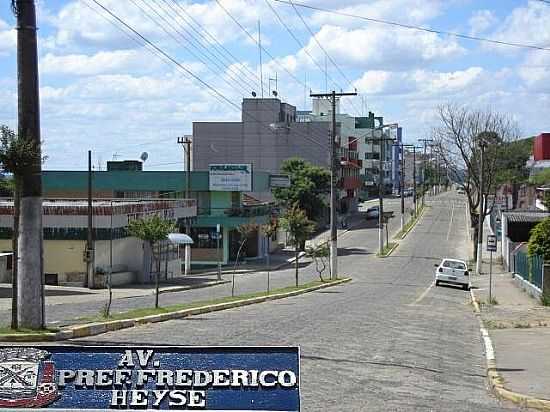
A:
{"x": 454, "y": 272}
{"x": 461, "y": 191}
{"x": 407, "y": 192}
{"x": 373, "y": 212}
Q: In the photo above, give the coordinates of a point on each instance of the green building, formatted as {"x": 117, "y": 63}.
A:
{"x": 229, "y": 209}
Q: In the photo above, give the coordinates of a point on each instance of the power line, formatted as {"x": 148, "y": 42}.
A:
{"x": 236, "y": 21}
{"x": 222, "y": 50}
{"x": 190, "y": 42}
{"x": 213, "y": 90}
{"x": 300, "y": 44}
{"x": 319, "y": 44}
{"x": 417, "y": 28}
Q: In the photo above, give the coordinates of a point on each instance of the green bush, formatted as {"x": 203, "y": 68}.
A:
{"x": 539, "y": 241}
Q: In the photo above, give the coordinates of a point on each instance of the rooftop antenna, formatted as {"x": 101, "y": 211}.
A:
{"x": 144, "y": 156}
{"x": 115, "y": 155}
{"x": 275, "y": 91}
{"x": 261, "y": 68}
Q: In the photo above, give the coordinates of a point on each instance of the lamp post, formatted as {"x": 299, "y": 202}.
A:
{"x": 382, "y": 140}
{"x": 482, "y": 146}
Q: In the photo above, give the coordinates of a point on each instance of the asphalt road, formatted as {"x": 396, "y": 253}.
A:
{"x": 388, "y": 341}
{"x": 87, "y": 305}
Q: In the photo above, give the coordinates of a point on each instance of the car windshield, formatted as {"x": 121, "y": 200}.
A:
{"x": 454, "y": 264}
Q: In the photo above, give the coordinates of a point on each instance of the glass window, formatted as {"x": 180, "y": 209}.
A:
{"x": 454, "y": 265}
{"x": 204, "y": 237}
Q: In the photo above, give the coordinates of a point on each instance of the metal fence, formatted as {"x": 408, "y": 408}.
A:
{"x": 529, "y": 267}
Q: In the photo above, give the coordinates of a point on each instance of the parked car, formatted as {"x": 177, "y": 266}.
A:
{"x": 454, "y": 272}
{"x": 373, "y": 212}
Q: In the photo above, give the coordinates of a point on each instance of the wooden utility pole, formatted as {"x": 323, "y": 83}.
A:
{"x": 90, "y": 249}
{"x": 334, "y": 163}
{"x": 30, "y": 288}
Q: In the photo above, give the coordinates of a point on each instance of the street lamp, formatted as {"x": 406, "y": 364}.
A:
{"x": 378, "y": 134}
{"x": 482, "y": 145}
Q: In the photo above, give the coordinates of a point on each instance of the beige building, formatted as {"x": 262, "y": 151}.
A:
{"x": 65, "y": 239}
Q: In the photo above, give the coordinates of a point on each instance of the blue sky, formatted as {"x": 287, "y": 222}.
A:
{"x": 100, "y": 90}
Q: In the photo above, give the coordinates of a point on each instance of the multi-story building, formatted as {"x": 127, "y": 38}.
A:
{"x": 271, "y": 131}
{"x": 267, "y": 134}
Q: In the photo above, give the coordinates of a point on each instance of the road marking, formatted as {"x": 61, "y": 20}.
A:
{"x": 423, "y": 295}
{"x": 451, "y": 222}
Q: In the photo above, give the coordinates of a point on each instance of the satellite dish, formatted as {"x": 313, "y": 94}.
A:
{"x": 275, "y": 93}
{"x": 253, "y": 94}
{"x": 144, "y": 156}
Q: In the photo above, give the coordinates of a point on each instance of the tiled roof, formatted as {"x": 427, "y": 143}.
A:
{"x": 526, "y": 216}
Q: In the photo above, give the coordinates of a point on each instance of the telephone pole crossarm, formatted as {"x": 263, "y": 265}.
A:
{"x": 333, "y": 174}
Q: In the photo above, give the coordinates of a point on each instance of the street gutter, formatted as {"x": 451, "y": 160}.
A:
{"x": 495, "y": 380}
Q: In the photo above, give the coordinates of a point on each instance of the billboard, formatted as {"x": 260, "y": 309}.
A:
{"x": 230, "y": 177}
{"x": 150, "y": 377}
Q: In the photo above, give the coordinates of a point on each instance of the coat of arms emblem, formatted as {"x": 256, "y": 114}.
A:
{"x": 27, "y": 378}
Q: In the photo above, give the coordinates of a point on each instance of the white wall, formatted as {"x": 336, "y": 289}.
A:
{"x": 127, "y": 251}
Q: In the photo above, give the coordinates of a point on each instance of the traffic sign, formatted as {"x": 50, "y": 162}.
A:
{"x": 491, "y": 243}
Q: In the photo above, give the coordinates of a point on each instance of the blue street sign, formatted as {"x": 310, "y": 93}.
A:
{"x": 150, "y": 377}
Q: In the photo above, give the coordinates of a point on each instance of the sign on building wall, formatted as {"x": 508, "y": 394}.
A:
{"x": 230, "y": 177}
{"x": 162, "y": 378}
{"x": 279, "y": 181}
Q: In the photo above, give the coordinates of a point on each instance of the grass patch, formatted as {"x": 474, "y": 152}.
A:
{"x": 10, "y": 331}
{"x": 412, "y": 221}
{"x": 387, "y": 249}
{"x": 545, "y": 299}
{"x": 138, "y": 313}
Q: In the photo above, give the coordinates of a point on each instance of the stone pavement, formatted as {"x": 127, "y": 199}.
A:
{"x": 519, "y": 327}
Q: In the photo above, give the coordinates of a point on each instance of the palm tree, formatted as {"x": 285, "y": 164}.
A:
{"x": 18, "y": 156}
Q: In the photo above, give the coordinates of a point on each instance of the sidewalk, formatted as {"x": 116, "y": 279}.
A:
{"x": 519, "y": 327}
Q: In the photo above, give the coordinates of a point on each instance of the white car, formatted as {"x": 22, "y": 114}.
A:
{"x": 453, "y": 271}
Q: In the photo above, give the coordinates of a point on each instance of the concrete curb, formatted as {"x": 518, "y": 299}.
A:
{"x": 389, "y": 251}
{"x": 495, "y": 380}
{"x": 415, "y": 223}
{"x": 91, "y": 329}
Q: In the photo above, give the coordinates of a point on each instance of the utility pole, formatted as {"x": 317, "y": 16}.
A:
{"x": 186, "y": 144}
{"x": 400, "y": 148}
{"x": 425, "y": 141}
{"x": 30, "y": 267}
{"x": 382, "y": 141}
{"x": 481, "y": 211}
{"x": 414, "y": 181}
{"x": 90, "y": 258}
{"x": 333, "y": 174}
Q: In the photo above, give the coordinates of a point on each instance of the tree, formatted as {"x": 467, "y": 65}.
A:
{"x": 319, "y": 254}
{"x": 299, "y": 227}
{"x": 152, "y": 230}
{"x": 17, "y": 156}
{"x": 245, "y": 230}
{"x": 268, "y": 230}
{"x": 308, "y": 185}
{"x": 458, "y": 139}
{"x": 539, "y": 241}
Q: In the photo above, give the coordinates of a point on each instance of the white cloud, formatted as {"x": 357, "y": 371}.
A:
{"x": 375, "y": 48}
{"x": 99, "y": 63}
{"x": 535, "y": 71}
{"x": 8, "y": 39}
{"x": 480, "y": 21}
{"x": 527, "y": 25}
{"x": 418, "y": 82}
{"x": 403, "y": 11}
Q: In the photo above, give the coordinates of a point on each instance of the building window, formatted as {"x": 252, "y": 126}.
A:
{"x": 204, "y": 237}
